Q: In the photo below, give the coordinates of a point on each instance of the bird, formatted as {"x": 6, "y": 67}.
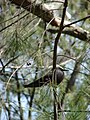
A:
{"x": 48, "y": 77}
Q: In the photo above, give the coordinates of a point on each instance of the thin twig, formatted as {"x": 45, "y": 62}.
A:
{"x": 77, "y": 21}
{"x": 13, "y": 17}
{"x": 12, "y": 59}
{"x": 74, "y": 111}
{"x": 13, "y": 22}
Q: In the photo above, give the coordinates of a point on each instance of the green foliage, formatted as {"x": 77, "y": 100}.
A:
{"x": 28, "y": 39}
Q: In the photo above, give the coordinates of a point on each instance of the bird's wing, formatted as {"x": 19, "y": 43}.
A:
{"x": 41, "y": 81}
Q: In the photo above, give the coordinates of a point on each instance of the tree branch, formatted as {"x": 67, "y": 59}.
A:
{"x": 55, "y": 55}
{"x": 44, "y": 12}
{"x": 76, "y": 32}
{"x": 19, "y": 96}
{"x": 77, "y": 21}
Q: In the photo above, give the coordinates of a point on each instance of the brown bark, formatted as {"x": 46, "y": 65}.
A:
{"x": 39, "y": 10}
{"x": 42, "y": 11}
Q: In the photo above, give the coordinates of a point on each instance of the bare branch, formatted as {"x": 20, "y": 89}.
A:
{"x": 77, "y": 21}
{"x": 76, "y": 32}
{"x": 44, "y": 12}
{"x": 55, "y": 55}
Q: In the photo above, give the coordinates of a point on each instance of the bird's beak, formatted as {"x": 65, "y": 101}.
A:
{"x": 65, "y": 70}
